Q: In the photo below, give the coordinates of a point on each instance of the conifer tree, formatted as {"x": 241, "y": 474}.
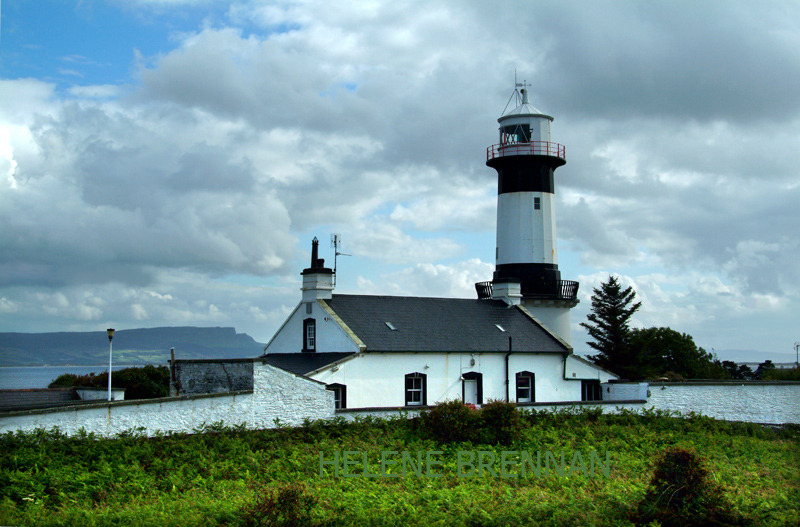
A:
{"x": 612, "y": 307}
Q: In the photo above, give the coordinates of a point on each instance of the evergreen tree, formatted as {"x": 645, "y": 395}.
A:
{"x": 612, "y": 307}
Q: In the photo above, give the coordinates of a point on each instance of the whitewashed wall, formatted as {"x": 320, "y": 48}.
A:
{"x": 378, "y": 379}
{"x": 627, "y": 391}
{"x": 277, "y": 394}
{"x": 754, "y": 402}
{"x": 606, "y": 408}
{"x": 330, "y": 335}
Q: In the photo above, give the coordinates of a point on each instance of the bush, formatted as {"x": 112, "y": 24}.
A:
{"x": 682, "y": 493}
{"x": 287, "y": 505}
{"x": 450, "y": 422}
{"x": 147, "y": 382}
{"x": 502, "y": 422}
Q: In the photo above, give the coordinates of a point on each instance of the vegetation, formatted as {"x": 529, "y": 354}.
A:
{"x": 682, "y": 493}
{"x": 652, "y": 353}
{"x": 772, "y": 374}
{"x": 234, "y": 477}
{"x": 147, "y": 382}
{"x": 612, "y": 307}
{"x": 663, "y": 352}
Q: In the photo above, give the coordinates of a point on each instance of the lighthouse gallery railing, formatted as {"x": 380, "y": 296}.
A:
{"x": 536, "y": 148}
{"x": 545, "y": 289}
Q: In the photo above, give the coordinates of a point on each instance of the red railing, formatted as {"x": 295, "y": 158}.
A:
{"x": 536, "y": 148}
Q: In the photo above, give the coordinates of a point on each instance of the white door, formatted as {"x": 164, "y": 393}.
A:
{"x": 470, "y": 391}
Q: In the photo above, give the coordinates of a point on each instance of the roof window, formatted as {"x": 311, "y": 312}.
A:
{"x": 390, "y": 326}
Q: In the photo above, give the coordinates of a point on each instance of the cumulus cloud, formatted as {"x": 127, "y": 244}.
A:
{"x": 195, "y": 185}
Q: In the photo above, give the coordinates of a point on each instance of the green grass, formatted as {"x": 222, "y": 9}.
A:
{"x": 220, "y": 476}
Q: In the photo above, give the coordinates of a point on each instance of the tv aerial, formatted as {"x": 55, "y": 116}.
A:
{"x": 336, "y": 242}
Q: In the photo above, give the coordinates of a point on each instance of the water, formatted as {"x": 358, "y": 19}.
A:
{"x": 40, "y": 376}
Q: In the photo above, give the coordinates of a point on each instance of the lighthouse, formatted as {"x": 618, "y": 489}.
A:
{"x": 526, "y": 256}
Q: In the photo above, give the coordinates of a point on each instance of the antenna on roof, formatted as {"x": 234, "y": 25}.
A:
{"x": 336, "y": 241}
{"x": 517, "y": 93}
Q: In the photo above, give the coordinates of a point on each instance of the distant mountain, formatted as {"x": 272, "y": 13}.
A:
{"x": 130, "y": 346}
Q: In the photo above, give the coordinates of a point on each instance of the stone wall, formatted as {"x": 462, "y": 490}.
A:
{"x": 768, "y": 402}
{"x": 278, "y": 397}
{"x": 190, "y": 377}
{"x": 765, "y": 402}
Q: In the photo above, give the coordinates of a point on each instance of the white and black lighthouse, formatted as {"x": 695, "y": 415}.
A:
{"x": 526, "y": 258}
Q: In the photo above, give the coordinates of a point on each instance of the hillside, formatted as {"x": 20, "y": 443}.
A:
{"x": 131, "y": 346}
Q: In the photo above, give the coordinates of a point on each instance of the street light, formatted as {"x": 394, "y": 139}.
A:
{"x": 110, "y": 332}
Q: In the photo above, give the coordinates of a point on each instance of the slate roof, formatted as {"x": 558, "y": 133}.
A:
{"x": 441, "y": 324}
{"x": 302, "y": 363}
{"x": 29, "y": 399}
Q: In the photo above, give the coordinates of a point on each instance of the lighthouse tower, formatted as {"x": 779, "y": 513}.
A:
{"x": 526, "y": 259}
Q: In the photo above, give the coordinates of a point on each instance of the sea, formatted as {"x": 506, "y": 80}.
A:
{"x": 18, "y": 377}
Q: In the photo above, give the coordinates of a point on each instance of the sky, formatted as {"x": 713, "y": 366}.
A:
{"x": 167, "y": 162}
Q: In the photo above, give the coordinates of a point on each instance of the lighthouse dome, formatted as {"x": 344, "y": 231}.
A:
{"x": 525, "y": 123}
{"x": 525, "y": 109}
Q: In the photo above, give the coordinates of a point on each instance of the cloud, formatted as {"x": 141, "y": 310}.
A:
{"x": 196, "y": 187}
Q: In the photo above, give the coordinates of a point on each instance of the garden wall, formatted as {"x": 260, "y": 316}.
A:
{"x": 192, "y": 377}
{"x": 277, "y": 394}
{"x": 768, "y": 402}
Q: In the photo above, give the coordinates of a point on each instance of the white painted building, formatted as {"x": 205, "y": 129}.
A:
{"x": 526, "y": 259}
{"x": 510, "y": 344}
{"x": 390, "y": 351}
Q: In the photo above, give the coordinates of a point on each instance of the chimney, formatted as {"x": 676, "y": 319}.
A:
{"x": 509, "y": 290}
{"x": 317, "y": 279}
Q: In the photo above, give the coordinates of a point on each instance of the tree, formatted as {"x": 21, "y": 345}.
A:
{"x": 764, "y": 370}
{"x": 664, "y": 352}
{"x": 737, "y": 372}
{"x": 612, "y": 307}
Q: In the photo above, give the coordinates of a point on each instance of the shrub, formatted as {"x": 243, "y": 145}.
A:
{"x": 288, "y": 505}
{"x": 502, "y": 422}
{"x": 450, "y": 422}
{"x": 146, "y": 382}
{"x": 682, "y": 493}
{"x": 65, "y": 380}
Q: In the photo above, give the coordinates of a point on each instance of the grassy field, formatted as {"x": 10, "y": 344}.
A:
{"x": 221, "y": 476}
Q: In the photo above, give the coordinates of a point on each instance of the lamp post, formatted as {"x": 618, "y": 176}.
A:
{"x": 110, "y": 332}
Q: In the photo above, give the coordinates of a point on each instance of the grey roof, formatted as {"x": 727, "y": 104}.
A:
{"x": 28, "y": 399}
{"x": 302, "y": 363}
{"x": 441, "y": 325}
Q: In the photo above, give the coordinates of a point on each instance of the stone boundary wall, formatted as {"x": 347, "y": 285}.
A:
{"x": 766, "y": 402}
{"x": 191, "y": 377}
{"x": 763, "y": 402}
{"x": 277, "y": 395}
{"x": 606, "y": 406}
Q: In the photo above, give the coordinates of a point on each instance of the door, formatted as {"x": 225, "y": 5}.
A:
{"x": 470, "y": 391}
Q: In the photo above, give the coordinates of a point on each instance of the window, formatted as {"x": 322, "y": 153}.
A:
{"x": 416, "y": 388}
{"x": 537, "y": 203}
{"x": 526, "y": 387}
{"x": 309, "y": 334}
{"x": 472, "y": 388}
{"x": 339, "y": 395}
{"x": 591, "y": 391}
{"x": 516, "y": 133}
